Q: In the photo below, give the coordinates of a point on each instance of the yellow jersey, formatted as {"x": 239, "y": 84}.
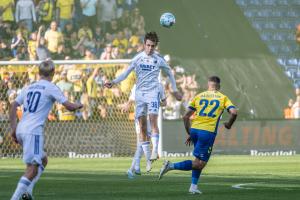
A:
{"x": 208, "y": 107}
{"x": 7, "y": 15}
{"x": 65, "y": 8}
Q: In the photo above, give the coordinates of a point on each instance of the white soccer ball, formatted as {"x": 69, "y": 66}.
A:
{"x": 167, "y": 20}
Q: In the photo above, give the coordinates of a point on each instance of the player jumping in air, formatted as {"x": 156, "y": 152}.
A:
{"x": 37, "y": 100}
{"x": 208, "y": 107}
{"x": 147, "y": 66}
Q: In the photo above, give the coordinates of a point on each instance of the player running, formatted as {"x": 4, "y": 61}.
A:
{"x": 208, "y": 107}
{"x": 141, "y": 147}
{"x": 37, "y": 100}
{"x": 147, "y": 66}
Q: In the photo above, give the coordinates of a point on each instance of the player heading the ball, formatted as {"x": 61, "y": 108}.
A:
{"x": 147, "y": 65}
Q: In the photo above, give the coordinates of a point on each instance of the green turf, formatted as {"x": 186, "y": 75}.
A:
{"x": 267, "y": 177}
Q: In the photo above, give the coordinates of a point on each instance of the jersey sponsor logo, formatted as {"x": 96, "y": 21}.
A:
{"x": 147, "y": 67}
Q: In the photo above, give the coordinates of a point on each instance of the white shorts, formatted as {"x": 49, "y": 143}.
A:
{"x": 33, "y": 148}
{"x": 146, "y": 104}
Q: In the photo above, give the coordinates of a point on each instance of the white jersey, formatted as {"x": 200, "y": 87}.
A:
{"x": 161, "y": 92}
{"x": 147, "y": 69}
{"x": 37, "y": 100}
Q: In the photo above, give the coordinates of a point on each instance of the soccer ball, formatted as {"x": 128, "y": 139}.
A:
{"x": 167, "y": 20}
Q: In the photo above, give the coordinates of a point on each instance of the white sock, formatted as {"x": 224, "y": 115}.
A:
{"x": 155, "y": 140}
{"x": 138, "y": 156}
{"x": 36, "y": 178}
{"x": 21, "y": 188}
{"x": 146, "y": 149}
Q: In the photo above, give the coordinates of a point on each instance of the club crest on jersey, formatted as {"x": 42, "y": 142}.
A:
{"x": 147, "y": 67}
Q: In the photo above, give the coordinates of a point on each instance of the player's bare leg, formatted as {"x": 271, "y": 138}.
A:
{"x": 40, "y": 169}
{"x": 154, "y": 136}
{"x": 25, "y": 181}
{"x": 144, "y": 140}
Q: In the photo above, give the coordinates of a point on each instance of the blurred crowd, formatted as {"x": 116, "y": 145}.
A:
{"x": 78, "y": 29}
{"x": 292, "y": 111}
{"x": 37, "y": 29}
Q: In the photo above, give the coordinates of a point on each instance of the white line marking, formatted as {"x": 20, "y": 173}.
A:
{"x": 241, "y": 186}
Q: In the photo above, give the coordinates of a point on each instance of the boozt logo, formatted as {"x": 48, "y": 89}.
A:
{"x": 147, "y": 67}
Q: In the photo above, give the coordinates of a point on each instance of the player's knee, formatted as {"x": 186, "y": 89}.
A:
{"x": 199, "y": 164}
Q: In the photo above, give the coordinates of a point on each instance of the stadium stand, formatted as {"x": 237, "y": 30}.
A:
{"x": 276, "y": 21}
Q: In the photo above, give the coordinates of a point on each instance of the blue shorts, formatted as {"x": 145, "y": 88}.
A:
{"x": 203, "y": 143}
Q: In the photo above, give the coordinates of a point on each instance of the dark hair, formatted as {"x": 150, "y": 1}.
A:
{"x": 151, "y": 36}
{"x": 46, "y": 68}
{"x": 214, "y": 79}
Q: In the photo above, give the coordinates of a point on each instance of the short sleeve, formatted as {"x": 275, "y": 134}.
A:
{"x": 228, "y": 104}
{"x": 192, "y": 105}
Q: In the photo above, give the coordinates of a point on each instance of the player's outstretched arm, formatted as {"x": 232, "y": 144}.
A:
{"x": 13, "y": 120}
{"x": 233, "y": 116}
{"x": 72, "y": 106}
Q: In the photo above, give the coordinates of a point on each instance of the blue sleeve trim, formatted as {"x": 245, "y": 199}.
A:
{"x": 192, "y": 108}
{"x": 230, "y": 108}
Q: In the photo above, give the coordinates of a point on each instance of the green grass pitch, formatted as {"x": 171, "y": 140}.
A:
{"x": 260, "y": 178}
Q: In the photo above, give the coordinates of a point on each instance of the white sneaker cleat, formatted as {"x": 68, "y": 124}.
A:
{"x": 130, "y": 174}
{"x": 148, "y": 166}
{"x": 164, "y": 169}
{"x": 154, "y": 156}
{"x": 194, "y": 191}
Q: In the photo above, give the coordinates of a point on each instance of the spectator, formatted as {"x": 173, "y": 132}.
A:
{"x": 42, "y": 51}
{"x": 121, "y": 42}
{"x": 53, "y": 38}
{"x": 76, "y": 76}
{"x": 288, "y": 112}
{"x": 45, "y": 11}
{"x": 99, "y": 40}
{"x": 77, "y": 17}
{"x": 86, "y": 34}
{"x": 5, "y": 30}
{"x": 25, "y": 11}
{"x": 64, "y": 84}
{"x": 138, "y": 22}
{"x": 89, "y": 8}
{"x": 107, "y": 54}
{"x": 6, "y": 10}
{"x": 63, "y": 113}
{"x": 17, "y": 43}
{"x": 32, "y": 44}
{"x": 4, "y": 115}
{"x": 298, "y": 34}
{"x": 65, "y": 11}
{"x": 67, "y": 32}
{"x": 5, "y": 52}
{"x": 113, "y": 27}
{"x": 107, "y": 11}
{"x": 296, "y": 108}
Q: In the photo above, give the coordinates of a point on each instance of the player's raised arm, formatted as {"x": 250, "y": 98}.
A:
{"x": 120, "y": 78}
